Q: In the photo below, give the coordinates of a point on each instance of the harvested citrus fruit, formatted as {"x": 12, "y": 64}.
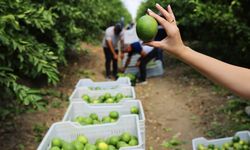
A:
{"x": 146, "y": 28}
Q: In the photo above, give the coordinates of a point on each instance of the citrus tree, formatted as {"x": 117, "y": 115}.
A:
{"x": 35, "y": 36}
{"x": 218, "y": 28}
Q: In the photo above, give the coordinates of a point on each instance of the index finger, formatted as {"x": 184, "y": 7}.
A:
{"x": 161, "y": 20}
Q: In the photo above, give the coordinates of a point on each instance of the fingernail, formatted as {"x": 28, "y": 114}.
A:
{"x": 157, "y": 4}
{"x": 149, "y": 10}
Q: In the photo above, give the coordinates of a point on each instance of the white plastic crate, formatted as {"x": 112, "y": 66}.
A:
{"x": 133, "y": 60}
{"x": 69, "y": 131}
{"x": 83, "y": 109}
{"x": 244, "y": 135}
{"x": 78, "y": 92}
{"x": 122, "y": 81}
{"x": 152, "y": 70}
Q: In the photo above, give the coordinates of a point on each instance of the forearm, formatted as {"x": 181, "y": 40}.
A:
{"x": 232, "y": 77}
{"x": 127, "y": 62}
{"x": 110, "y": 45}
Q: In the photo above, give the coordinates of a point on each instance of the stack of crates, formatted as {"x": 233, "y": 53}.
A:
{"x": 68, "y": 130}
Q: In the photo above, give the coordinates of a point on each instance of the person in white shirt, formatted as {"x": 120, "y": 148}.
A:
{"x": 113, "y": 35}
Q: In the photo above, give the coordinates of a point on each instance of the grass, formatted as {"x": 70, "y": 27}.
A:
{"x": 173, "y": 143}
{"x": 235, "y": 119}
{"x": 39, "y": 129}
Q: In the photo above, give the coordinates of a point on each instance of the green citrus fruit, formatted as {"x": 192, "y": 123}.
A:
{"x": 106, "y": 119}
{"x": 93, "y": 116}
{"x": 121, "y": 144}
{"x": 111, "y": 147}
{"x": 101, "y": 98}
{"x": 126, "y": 137}
{"x": 107, "y": 95}
{"x": 90, "y": 147}
{"x": 119, "y": 96}
{"x": 96, "y": 101}
{"x": 114, "y": 115}
{"x": 146, "y": 28}
{"x": 86, "y": 98}
{"x": 56, "y": 142}
{"x": 114, "y": 140}
{"x": 54, "y": 148}
{"x": 88, "y": 121}
{"x": 68, "y": 146}
{"x": 102, "y": 146}
{"x": 134, "y": 110}
{"x": 133, "y": 142}
{"x": 78, "y": 145}
{"x": 83, "y": 139}
{"x": 100, "y": 140}
{"x": 109, "y": 100}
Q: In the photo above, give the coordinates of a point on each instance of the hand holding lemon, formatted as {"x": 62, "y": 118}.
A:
{"x": 173, "y": 42}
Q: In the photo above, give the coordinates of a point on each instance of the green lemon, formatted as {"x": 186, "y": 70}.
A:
{"x": 54, "y": 148}
{"x": 106, "y": 119}
{"x": 111, "y": 147}
{"x": 107, "y": 95}
{"x": 102, "y": 146}
{"x": 56, "y": 142}
{"x": 146, "y": 28}
{"x": 110, "y": 100}
{"x": 78, "y": 145}
{"x": 90, "y": 147}
{"x": 86, "y": 98}
{"x": 68, "y": 146}
{"x": 96, "y": 122}
{"x": 83, "y": 139}
{"x": 114, "y": 115}
{"x": 88, "y": 121}
{"x": 121, "y": 144}
{"x": 133, "y": 142}
{"x": 94, "y": 116}
{"x": 134, "y": 110}
{"x": 113, "y": 140}
{"x": 126, "y": 137}
{"x": 100, "y": 140}
{"x": 119, "y": 96}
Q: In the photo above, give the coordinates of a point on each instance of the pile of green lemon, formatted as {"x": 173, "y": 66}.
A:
{"x": 94, "y": 119}
{"x": 235, "y": 144}
{"x": 106, "y": 98}
{"x": 82, "y": 143}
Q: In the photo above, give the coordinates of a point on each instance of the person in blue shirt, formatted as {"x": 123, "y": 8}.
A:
{"x": 146, "y": 56}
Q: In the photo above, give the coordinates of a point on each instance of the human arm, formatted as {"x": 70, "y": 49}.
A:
{"x": 110, "y": 45}
{"x": 143, "y": 54}
{"x": 235, "y": 78}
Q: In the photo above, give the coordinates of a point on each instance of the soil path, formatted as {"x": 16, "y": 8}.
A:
{"x": 173, "y": 104}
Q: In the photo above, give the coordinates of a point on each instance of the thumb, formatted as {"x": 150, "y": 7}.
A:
{"x": 153, "y": 44}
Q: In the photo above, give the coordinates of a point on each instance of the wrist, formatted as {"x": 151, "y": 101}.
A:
{"x": 183, "y": 52}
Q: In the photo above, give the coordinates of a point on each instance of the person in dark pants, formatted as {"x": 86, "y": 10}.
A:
{"x": 153, "y": 54}
{"x": 147, "y": 53}
{"x": 113, "y": 35}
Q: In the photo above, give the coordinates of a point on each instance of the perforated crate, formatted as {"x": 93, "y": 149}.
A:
{"x": 244, "y": 135}
{"x": 153, "y": 69}
{"x": 78, "y": 92}
{"x": 122, "y": 81}
{"x": 83, "y": 109}
{"x": 69, "y": 131}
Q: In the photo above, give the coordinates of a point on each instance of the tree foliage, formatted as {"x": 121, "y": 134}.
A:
{"x": 220, "y": 28}
{"x": 36, "y": 34}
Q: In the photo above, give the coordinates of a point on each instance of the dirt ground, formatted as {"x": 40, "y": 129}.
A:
{"x": 174, "y": 104}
